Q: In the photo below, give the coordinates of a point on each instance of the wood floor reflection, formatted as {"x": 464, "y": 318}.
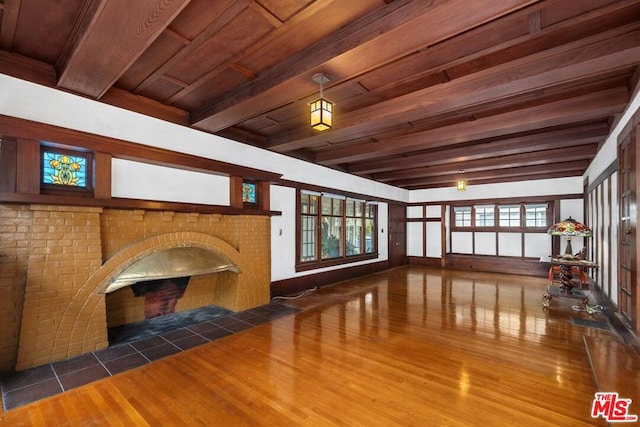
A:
{"x": 411, "y": 346}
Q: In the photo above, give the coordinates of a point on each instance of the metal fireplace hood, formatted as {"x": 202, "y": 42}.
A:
{"x": 170, "y": 263}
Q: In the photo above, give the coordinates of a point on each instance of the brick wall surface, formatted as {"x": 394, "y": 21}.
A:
{"x": 15, "y": 230}
{"x": 64, "y": 251}
{"x": 57, "y": 262}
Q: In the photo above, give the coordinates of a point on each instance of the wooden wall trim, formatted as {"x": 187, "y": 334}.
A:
{"x": 428, "y": 261}
{"x": 320, "y": 189}
{"x": 8, "y": 165}
{"x": 102, "y": 171}
{"x": 609, "y": 170}
{"x": 121, "y": 203}
{"x": 302, "y": 283}
{"x": 13, "y": 127}
{"x": 491, "y": 264}
{"x": 28, "y": 157}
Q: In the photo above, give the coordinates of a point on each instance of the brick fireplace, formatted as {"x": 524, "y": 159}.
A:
{"x": 62, "y": 260}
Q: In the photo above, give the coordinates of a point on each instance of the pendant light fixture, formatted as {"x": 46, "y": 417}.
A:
{"x": 461, "y": 184}
{"x": 321, "y": 109}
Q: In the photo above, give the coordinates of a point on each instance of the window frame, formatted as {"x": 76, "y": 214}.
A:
{"x": 343, "y": 257}
{"x": 521, "y": 227}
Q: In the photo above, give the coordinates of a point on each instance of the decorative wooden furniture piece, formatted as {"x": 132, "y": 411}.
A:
{"x": 568, "y": 278}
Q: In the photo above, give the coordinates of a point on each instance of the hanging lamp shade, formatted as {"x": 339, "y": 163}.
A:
{"x": 461, "y": 183}
{"x": 321, "y": 112}
{"x": 321, "y": 108}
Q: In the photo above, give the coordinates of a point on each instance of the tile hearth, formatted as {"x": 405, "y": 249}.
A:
{"x": 24, "y": 387}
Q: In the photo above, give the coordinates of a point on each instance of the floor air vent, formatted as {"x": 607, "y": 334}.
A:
{"x": 590, "y": 323}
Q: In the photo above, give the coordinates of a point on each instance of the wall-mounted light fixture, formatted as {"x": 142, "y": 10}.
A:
{"x": 461, "y": 184}
{"x": 321, "y": 109}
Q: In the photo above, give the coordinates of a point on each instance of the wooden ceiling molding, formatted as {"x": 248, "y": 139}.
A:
{"x": 508, "y": 90}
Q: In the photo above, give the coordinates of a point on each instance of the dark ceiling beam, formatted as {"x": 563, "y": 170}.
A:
{"x": 543, "y": 140}
{"x": 445, "y": 61}
{"x": 370, "y": 39}
{"x": 8, "y": 24}
{"x": 107, "y": 42}
{"x": 579, "y": 109}
{"x": 613, "y": 50}
{"x": 575, "y": 168}
{"x": 234, "y": 62}
{"x": 549, "y": 158}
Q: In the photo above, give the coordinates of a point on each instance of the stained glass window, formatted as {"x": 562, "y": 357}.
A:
{"x": 249, "y": 193}
{"x": 64, "y": 169}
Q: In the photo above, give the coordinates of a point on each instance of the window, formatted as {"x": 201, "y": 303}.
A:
{"x": 335, "y": 228}
{"x": 485, "y": 216}
{"x": 462, "y": 216}
{"x": 509, "y": 215}
{"x": 331, "y": 228}
{"x": 355, "y": 226}
{"x": 65, "y": 170}
{"x": 531, "y": 217}
{"x": 249, "y": 193}
{"x": 536, "y": 215}
{"x": 308, "y": 226}
{"x": 370, "y": 229}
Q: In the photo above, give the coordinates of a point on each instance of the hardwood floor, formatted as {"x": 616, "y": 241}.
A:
{"x": 410, "y": 346}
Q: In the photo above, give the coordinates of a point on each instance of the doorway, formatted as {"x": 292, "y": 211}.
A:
{"x": 627, "y": 234}
{"x": 397, "y": 235}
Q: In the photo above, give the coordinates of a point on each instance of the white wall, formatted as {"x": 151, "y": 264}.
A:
{"x": 43, "y": 104}
{"x": 544, "y": 187}
{"x": 135, "y": 180}
{"x": 138, "y": 180}
{"x": 608, "y": 152}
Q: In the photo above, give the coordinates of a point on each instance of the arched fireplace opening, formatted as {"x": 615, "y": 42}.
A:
{"x": 165, "y": 290}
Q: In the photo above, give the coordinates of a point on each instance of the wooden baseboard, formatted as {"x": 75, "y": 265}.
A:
{"x": 494, "y": 264}
{"x": 429, "y": 262}
{"x": 302, "y": 283}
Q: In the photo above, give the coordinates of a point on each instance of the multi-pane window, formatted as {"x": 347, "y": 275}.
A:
{"x": 333, "y": 227}
{"x": 308, "y": 226}
{"x": 485, "y": 216}
{"x": 332, "y": 220}
{"x": 355, "y": 226}
{"x": 370, "y": 229}
{"x": 462, "y": 216}
{"x": 509, "y": 215}
{"x": 505, "y": 216}
{"x": 536, "y": 215}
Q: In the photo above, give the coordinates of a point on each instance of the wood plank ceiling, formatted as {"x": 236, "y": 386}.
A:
{"x": 504, "y": 90}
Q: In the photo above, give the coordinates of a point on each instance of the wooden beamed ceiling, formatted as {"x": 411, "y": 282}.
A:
{"x": 503, "y": 90}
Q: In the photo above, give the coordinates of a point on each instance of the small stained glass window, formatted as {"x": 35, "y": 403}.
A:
{"x": 249, "y": 193}
{"x": 64, "y": 169}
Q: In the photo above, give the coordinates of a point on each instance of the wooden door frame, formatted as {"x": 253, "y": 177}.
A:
{"x": 629, "y": 136}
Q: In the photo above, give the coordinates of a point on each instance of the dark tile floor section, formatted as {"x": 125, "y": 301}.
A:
{"x": 24, "y": 387}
